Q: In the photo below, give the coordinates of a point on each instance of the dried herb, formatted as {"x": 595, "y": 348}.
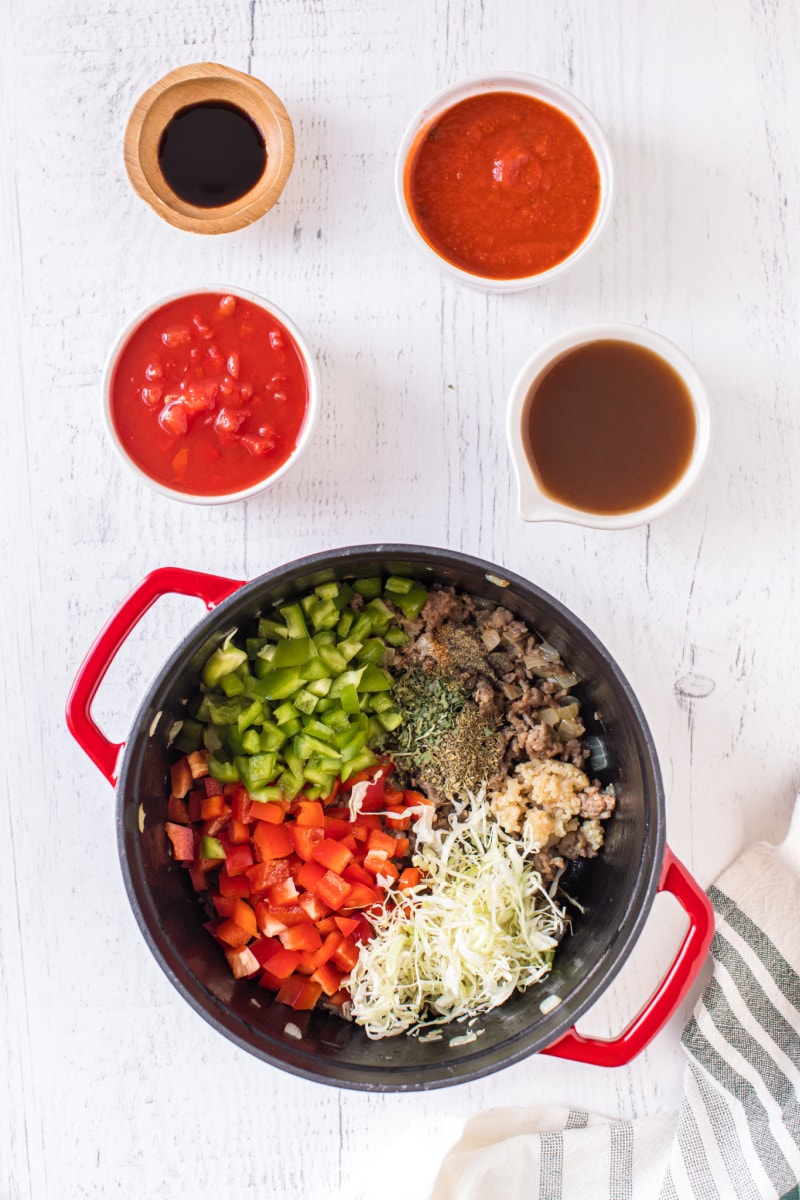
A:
{"x": 429, "y": 702}
{"x": 444, "y": 741}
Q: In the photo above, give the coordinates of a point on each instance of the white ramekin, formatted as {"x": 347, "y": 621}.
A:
{"x": 548, "y": 93}
{"x": 306, "y": 429}
{"x": 534, "y": 504}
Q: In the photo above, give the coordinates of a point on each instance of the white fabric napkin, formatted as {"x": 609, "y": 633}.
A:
{"x": 737, "y": 1134}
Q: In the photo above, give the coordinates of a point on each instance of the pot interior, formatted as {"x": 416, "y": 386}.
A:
{"x": 616, "y": 889}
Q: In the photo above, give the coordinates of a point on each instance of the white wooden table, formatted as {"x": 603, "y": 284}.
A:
{"x": 109, "y": 1083}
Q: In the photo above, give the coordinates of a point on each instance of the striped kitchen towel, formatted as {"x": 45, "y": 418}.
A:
{"x": 737, "y": 1135}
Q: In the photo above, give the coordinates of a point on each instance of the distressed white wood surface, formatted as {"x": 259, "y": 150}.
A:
{"x": 109, "y": 1084}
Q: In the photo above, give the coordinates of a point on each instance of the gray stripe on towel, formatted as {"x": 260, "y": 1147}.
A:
{"x": 620, "y": 1181}
{"x": 767, "y": 1149}
{"x": 551, "y": 1166}
{"x": 785, "y": 977}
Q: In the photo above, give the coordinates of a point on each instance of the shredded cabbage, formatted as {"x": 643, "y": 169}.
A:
{"x": 480, "y": 926}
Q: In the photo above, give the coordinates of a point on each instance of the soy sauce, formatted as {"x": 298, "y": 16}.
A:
{"x": 211, "y": 154}
{"x": 609, "y": 429}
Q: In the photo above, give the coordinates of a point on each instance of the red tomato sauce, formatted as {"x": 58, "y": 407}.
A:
{"x": 209, "y": 394}
{"x": 503, "y": 185}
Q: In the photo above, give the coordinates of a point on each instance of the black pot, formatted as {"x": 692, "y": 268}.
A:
{"x": 616, "y": 889}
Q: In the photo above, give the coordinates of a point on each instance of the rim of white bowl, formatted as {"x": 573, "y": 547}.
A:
{"x": 312, "y": 404}
{"x": 549, "y": 93}
{"x": 529, "y": 491}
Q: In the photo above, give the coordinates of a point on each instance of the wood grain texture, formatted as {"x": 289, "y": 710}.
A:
{"x": 109, "y": 1084}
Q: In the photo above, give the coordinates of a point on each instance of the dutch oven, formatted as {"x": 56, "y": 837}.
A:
{"x": 616, "y": 889}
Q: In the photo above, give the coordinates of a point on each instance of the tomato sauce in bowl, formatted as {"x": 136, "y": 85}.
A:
{"x": 505, "y": 180}
{"x": 211, "y": 395}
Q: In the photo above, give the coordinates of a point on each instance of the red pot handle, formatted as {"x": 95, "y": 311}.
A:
{"x": 212, "y": 589}
{"x": 673, "y": 987}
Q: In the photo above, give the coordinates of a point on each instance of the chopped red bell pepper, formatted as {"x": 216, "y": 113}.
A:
{"x": 300, "y": 937}
{"x": 333, "y": 890}
{"x": 272, "y": 841}
{"x": 182, "y": 838}
{"x": 299, "y": 994}
{"x": 332, "y": 855}
{"x": 304, "y": 838}
{"x": 267, "y": 810}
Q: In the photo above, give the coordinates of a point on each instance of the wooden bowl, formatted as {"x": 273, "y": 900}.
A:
{"x": 201, "y": 83}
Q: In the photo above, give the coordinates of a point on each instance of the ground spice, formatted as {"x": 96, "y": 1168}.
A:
{"x": 469, "y": 755}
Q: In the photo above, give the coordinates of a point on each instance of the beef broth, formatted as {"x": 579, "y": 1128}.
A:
{"x": 609, "y": 429}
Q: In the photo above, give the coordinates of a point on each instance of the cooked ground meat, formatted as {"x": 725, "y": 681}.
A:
{"x": 517, "y": 684}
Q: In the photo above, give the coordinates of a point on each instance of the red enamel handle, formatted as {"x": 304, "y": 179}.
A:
{"x": 212, "y": 589}
{"x": 619, "y": 1051}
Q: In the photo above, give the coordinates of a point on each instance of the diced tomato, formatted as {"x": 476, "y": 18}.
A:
{"x": 267, "y": 810}
{"x": 333, "y": 890}
{"x": 182, "y": 838}
{"x": 301, "y": 937}
{"x": 346, "y": 954}
{"x": 180, "y": 774}
{"x": 271, "y": 841}
{"x": 304, "y": 838}
{"x": 347, "y": 925}
{"x": 309, "y": 812}
{"x": 310, "y": 875}
{"x": 178, "y": 810}
{"x": 283, "y": 962}
{"x": 300, "y": 994}
{"x": 332, "y": 854}
{"x": 284, "y": 892}
{"x": 409, "y": 878}
{"x": 328, "y": 977}
{"x": 264, "y": 875}
{"x": 230, "y": 886}
{"x": 242, "y": 962}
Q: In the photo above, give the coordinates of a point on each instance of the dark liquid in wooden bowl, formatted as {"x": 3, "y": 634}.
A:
{"x": 212, "y": 154}
{"x": 609, "y": 429}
